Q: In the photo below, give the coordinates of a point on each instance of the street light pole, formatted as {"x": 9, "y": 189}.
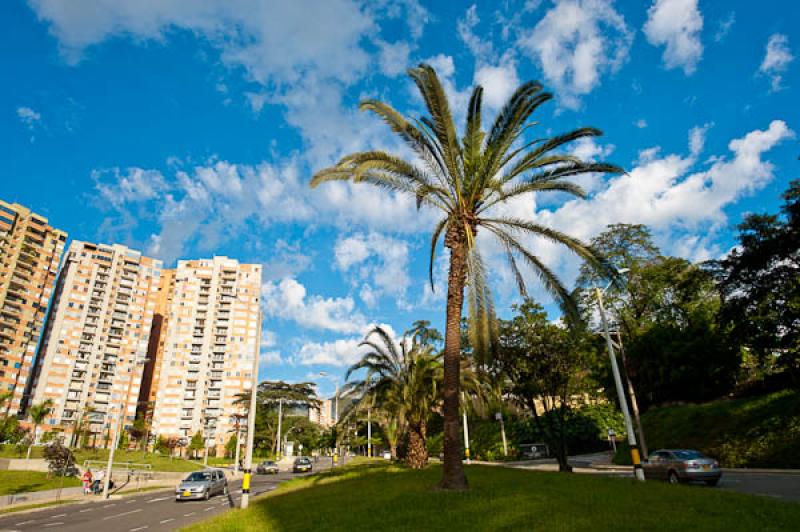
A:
{"x": 238, "y": 444}
{"x": 637, "y": 464}
{"x": 369, "y": 432}
{"x": 251, "y": 423}
{"x": 466, "y": 430}
{"x": 205, "y": 442}
{"x": 278, "y": 437}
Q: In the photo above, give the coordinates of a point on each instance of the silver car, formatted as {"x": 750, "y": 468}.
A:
{"x": 202, "y": 485}
{"x": 682, "y": 465}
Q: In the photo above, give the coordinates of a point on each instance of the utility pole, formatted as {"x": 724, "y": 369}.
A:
{"x": 205, "y": 441}
{"x": 251, "y": 423}
{"x": 369, "y": 431}
{"x": 278, "y": 437}
{"x": 623, "y": 403}
{"x": 632, "y": 395}
{"x": 466, "y": 429}
{"x": 499, "y": 417}
{"x": 238, "y": 444}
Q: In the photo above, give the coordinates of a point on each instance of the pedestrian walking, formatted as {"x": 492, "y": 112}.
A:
{"x": 87, "y": 481}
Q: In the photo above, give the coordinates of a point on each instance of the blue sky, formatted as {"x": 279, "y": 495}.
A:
{"x": 187, "y": 128}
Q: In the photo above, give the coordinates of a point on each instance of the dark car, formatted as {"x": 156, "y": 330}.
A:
{"x": 682, "y": 465}
{"x": 302, "y": 465}
{"x": 268, "y": 467}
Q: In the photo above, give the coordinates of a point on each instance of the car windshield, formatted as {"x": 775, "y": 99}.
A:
{"x": 301, "y": 461}
{"x": 199, "y": 476}
{"x": 688, "y": 455}
{"x": 268, "y": 463}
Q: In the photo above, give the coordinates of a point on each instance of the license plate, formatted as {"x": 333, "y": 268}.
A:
{"x": 187, "y": 493}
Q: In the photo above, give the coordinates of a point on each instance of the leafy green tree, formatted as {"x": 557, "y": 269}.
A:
{"x": 38, "y": 413}
{"x": 545, "y": 365}
{"x": 230, "y": 446}
{"x": 760, "y": 283}
{"x": 469, "y": 179}
{"x": 59, "y": 458}
{"x": 197, "y": 443}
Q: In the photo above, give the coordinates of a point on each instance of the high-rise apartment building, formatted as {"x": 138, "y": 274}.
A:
{"x": 210, "y": 352}
{"x": 30, "y": 252}
{"x": 95, "y": 343}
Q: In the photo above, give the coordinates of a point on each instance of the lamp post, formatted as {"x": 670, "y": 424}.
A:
{"x": 278, "y": 435}
{"x": 206, "y": 419}
{"x": 466, "y": 429}
{"x": 623, "y": 403}
{"x": 251, "y": 422}
{"x": 118, "y": 426}
{"x": 369, "y": 432}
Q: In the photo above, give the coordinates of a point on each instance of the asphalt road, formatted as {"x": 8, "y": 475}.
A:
{"x": 783, "y": 486}
{"x": 154, "y": 511}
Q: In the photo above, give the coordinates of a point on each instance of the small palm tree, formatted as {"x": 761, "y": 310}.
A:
{"x": 37, "y": 414}
{"x": 404, "y": 379}
{"x": 468, "y": 179}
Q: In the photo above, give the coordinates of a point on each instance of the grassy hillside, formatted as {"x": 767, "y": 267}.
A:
{"x": 158, "y": 462}
{"x": 385, "y": 497}
{"x": 751, "y": 432}
{"x": 13, "y": 482}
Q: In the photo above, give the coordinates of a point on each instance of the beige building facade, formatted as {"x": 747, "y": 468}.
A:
{"x": 210, "y": 349}
{"x": 30, "y": 253}
{"x": 93, "y": 352}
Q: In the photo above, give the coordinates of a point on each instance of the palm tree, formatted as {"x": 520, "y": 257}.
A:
{"x": 38, "y": 413}
{"x": 468, "y": 180}
{"x": 404, "y": 378}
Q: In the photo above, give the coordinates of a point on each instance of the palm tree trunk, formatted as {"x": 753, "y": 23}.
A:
{"x": 417, "y": 450}
{"x": 453, "y": 477}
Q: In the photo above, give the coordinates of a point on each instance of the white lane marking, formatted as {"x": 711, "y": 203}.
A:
{"x": 159, "y": 499}
{"x": 53, "y": 524}
{"x": 166, "y": 521}
{"x": 26, "y": 522}
{"x": 56, "y": 516}
{"x": 122, "y": 514}
{"x": 130, "y": 501}
{"x": 86, "y": 510}
{"x": 209, "y": 508}
{"x": 189, "y": 514}
{"x": 140, "y": 528}
{"x": 110, "y": 505}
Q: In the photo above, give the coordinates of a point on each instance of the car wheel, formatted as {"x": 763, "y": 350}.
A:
{"x": 712, "y": 483}
{"x": 673, "y": 478}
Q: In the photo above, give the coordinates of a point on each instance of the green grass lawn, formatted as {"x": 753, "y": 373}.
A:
{"x": 13, "y": 482}
{"x": 384, "y": 497}
{"x": 759, "y": 431}
{"x": 158, "y": 462}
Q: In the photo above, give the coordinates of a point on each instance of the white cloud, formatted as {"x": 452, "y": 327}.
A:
{"x": 641, "y": 123}
{"x": 270, "y": 358}
{"x": 303, "y": 54}
{"x": 676, "y": 24}
{"x": 575, "y": 43}
{"x": 207, "y": 203}
{"x": 724, "y": 27}
{"x": 289, "y": 300}
{"x": 481, "y": 49}
{"x": 665, "y": 194}
{"x": 697, "y": 138}
{"x": 776, "y": 60}
{"x": 394, "y": 57}
{"x": 30, "y": 119}
{"x": 498, "y": 82}
{"x": 342, "y": 352}
{"x": 377, "y": 259}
